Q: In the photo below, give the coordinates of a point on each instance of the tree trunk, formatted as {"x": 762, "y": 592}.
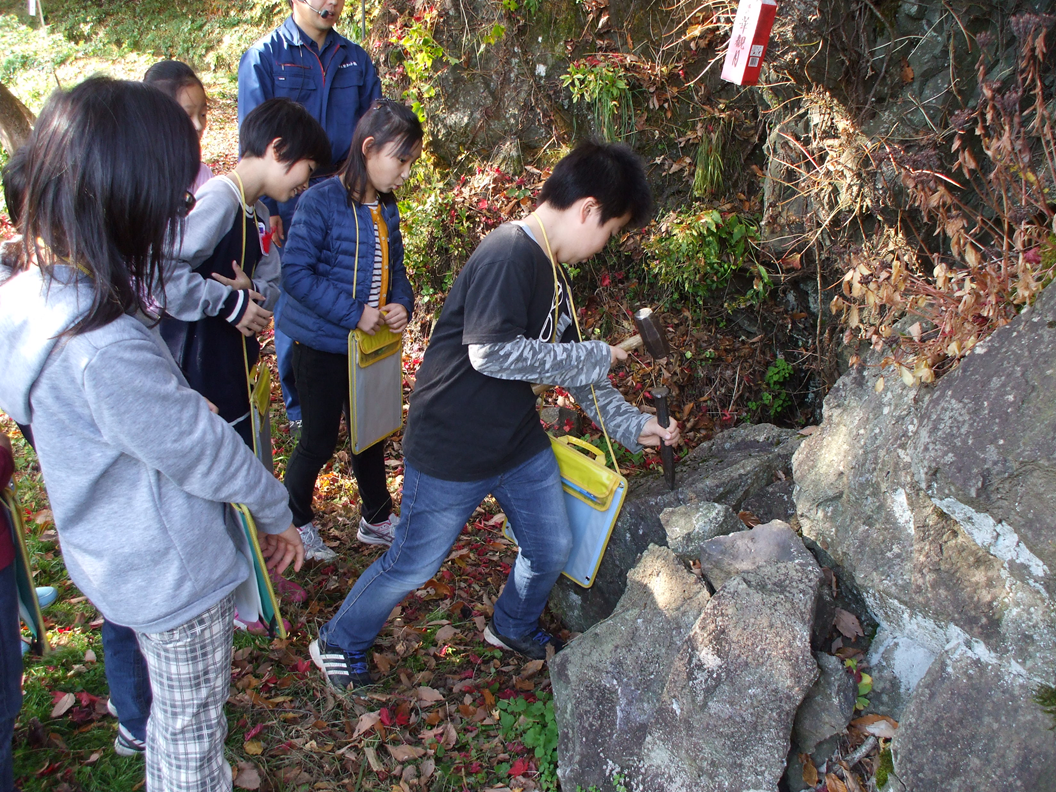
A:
{"x": 16, "y": 121}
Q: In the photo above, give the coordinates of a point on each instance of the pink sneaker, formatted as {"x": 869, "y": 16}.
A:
{"x": 258, "y": 627}
{"x": 288, "y": 589}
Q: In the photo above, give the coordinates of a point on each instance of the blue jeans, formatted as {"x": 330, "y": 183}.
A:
{"x": 10, "y": 669}
{"x": 284, "y": 361}
{"x": 128, "y": 678}
{"x": 431, "y": 518}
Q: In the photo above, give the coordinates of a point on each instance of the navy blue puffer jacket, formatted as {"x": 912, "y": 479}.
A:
{"x": 318, "y": 306}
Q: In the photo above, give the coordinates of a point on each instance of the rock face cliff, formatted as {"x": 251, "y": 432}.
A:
{"x": 934, "y": 509}
{"x": 938, "y": 503}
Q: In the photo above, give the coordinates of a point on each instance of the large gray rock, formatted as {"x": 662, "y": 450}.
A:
{"x": 667, "y": 696}
{"x": 986, "y": 449}
{"x": 828, "y": 706}
{"x": 727, "y": 711}
{"x": 936, "y": 505}
{"x": 689, "y": 527}
{"x": 608, "y": 682}
{"x": 728, "y": 469}
{"x": 971, "y": 726}
{"x": 723, "y": 557}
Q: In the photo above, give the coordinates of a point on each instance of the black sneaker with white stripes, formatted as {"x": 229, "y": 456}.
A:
{"x": 343, "y": 670}
{"x": 533, "y": 645}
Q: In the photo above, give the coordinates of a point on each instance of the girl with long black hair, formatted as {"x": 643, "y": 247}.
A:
{"x": 139, "y": 470}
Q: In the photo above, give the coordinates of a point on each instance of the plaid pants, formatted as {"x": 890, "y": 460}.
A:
{"x": 190, "y": 673}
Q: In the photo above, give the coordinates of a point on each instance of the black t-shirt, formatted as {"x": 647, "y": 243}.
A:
{"x": 463, "y": 425}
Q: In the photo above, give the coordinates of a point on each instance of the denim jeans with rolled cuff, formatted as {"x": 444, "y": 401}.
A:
{"x": 432, "y": 515}
{"x": 128, "y": 678}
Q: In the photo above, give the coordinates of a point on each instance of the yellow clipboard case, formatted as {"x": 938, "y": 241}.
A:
{"x": 594, "y": 495}
{"x": 28, "y": 604}
{"x": 375, "y": 385}
{"x": 268, "y": 611}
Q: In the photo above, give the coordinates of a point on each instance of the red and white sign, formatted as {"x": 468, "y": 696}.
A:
{"x": 751, "y": 33}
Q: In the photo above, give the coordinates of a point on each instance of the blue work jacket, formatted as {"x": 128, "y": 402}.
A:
{"x": 336, "y": 84}
{"x": 326, "y": 274}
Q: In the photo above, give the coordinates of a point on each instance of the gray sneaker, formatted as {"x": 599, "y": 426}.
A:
{"x": 377, "y": 533}
{"x": 295, "y": 431}
{"x": 314, "y": 549}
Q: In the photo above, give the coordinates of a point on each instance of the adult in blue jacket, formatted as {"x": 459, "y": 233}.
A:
{"x": 306, "y": 60}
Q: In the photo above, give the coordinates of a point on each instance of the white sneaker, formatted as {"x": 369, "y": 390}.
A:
{"x": 314, "y": 549}
{"x": 377, "y": 533}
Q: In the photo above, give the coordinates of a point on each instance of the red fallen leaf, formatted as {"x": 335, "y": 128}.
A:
{"x": 254, "y": 731}
{"x": 86, "y": 698}
{"x": 386, "y": 717}
{"x": 520, "y": 767}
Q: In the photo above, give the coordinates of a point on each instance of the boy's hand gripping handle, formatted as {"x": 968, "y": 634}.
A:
{"x": 667, "y": 454}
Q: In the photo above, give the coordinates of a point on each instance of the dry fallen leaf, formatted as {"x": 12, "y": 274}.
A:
{"x": 63, "y": 705}
{"x": 253, "y": 747}
{"x": 372, "y": 759}
{"x": 247, "y": 777}
{"x": 405, "y": 753}
{"x": 834, "y": 783}
{"x": 848, "y": 625}
{"x": 366, "y": 722}
{"x": 428, "y": 695}
{"x": 428, "y": 767}
{"x": 810, "y": 772}
{"x": 531, "y": 669}
{"x": 445, "y": 634}
{"x": 877, "y": 725}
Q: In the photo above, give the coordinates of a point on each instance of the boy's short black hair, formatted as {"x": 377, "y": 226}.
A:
{"x": 610, "y": 173}
{"x": 300, "y": 137}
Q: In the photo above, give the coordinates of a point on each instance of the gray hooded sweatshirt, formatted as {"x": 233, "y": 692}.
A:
{"x": 138, "y": 470}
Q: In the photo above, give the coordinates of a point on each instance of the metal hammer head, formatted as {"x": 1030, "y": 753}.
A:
{"x": 654, "y": 337}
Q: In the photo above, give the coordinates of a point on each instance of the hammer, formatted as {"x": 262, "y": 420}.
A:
{"x": 654, "y": 339}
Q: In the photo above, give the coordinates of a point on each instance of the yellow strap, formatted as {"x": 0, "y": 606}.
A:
{"x": 575, "y": 320}
{"x": 245, "y": 348}
{"x": 383, "y": 239}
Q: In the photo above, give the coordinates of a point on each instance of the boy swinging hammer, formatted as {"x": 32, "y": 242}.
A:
{"x": 473, "y": 429}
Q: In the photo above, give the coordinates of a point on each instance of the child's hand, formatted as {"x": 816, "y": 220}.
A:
{"x": 239, "y": 282}
{"x": 255, "y": 318}
{"x": 280, "y": 550}
{"x": 276, "y": 231}
{"x": 371, "y": 321}
{"x": 616, "y": 355}
{"x": 652, "y": 434}
{"x": 395, "y": 317}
